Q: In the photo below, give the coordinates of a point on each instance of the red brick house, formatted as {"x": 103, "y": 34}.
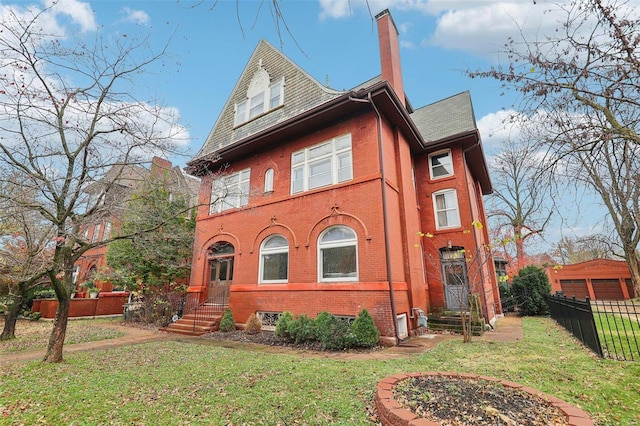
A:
{"x": 598, "y": 279}
{"x": 324, "y": 194}
{"x": 122, "y": 182}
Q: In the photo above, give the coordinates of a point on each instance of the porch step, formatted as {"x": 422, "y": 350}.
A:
{"x": 453, "y": 323}
{"x": 195, "y": 326}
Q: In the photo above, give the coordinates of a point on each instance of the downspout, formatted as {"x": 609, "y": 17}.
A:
{"x": 475, "y": 238}
{"x": 387, "y": 244}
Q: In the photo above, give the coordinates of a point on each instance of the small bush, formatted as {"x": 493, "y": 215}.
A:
{"x": 283, "y": 326}
{"x": 227, "y": 323}
{"x": 253, "y": 325}
{"x": 529, "y": 289}
{"x": 302, "y": 329}
{"x": 334, "y": 333}
{"x": 365, "y": 331}
{"x": 34, "y": 316}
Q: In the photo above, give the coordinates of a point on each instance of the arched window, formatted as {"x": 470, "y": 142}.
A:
{"x": 268, "y": 180}
{"x": 338, "y": 255}
{"x": 274, "y": 260}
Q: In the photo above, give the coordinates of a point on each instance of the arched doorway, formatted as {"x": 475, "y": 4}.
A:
{"x": 220, "y": 257}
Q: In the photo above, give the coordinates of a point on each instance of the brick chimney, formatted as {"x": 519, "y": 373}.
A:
{"x": 160, "y": 166}
{"x": 390, "y": 52}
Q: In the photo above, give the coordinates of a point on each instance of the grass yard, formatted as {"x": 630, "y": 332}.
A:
{"x": 619, "y": 335}
{"x": 33, "y": 335}
{"x": 181, "y": 383}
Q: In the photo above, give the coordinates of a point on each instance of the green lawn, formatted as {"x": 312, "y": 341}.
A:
{"x": 33, "y": 335}
{"x": 618, "y": 336}
{"x": 175, "y": 383}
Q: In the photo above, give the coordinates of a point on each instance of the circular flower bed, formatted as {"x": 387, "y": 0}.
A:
{"x": 458, "y": 399}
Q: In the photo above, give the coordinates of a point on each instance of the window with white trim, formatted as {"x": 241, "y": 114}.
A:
{"x": 274, "y": 260}
{"x": 325, "y": 164}
{"x": 96, "y": 233}
{"x": 440, "y": 164}
{"x": 261, "y": 98}
{"x": 268, "y": 180}
{"x": 230, "y": 192}
{"x": 445, "y": 206}
{"x": 338, "y": 255}
{"x": 106, "y": 234}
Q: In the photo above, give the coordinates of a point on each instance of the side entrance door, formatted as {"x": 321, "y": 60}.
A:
{"x": 454, "y": 279}
{"x": 221, "y": 257}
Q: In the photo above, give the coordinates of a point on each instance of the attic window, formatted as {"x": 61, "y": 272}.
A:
{"x": 263, "y": 95}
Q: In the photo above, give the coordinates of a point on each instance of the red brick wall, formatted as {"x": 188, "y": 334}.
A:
{"x": 471, "y": 209}
{"x": 105, "y": 304}
{"x": 357, "y": 204}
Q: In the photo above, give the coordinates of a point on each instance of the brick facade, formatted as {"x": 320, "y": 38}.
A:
{"x": 386, "y": 203}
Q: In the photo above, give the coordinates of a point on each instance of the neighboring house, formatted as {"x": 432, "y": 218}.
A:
{"x": 119, "y": 184}
{"x": 313, "y": 199}
{"x": 598, "y": 279}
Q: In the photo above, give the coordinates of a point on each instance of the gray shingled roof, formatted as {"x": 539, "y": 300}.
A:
{"x": 302, "y": 93}
{"x": 447, "y": 117}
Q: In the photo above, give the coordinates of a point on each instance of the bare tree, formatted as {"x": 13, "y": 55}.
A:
{"x": 68, "y": 116}
{"x": 575, "y": 250}
{"x": 519, "y": 207}
{"x": 581, "y": 87}
{"x": 26, "y": 241}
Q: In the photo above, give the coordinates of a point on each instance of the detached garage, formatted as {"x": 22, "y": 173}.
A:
{"x": 599, "y": 279}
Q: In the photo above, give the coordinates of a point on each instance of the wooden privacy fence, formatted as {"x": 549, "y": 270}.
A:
{"x": 610, "y": 328}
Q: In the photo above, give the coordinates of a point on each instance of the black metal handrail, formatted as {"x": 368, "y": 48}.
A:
{"x": 216, "y": 303}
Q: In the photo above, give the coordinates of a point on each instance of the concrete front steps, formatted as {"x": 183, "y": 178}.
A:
{"x": 453, "y": 323}
{"x": 192, "y": 326}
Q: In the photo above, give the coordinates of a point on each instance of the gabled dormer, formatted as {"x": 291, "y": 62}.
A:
{"x": 263, "y": 96}
{"x": 271, "y": 90}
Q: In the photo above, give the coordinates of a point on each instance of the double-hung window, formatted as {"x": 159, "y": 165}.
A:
{"x": 230, "y": 192}
{"x": 445, "y": 206}
{"x": 440, "y": 165}
{"x": 325, "y": 164}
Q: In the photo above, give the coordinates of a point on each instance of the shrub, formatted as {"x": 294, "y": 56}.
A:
{"x": 283, "y": 325}
{"x": 365, "y": 331}
{"x": 529, "y": 288}
{"x": 227, "y": 322}
{"x": 253, "y": 325}
{"x": 334, "y": 333}
{"x": 302, "y": 329}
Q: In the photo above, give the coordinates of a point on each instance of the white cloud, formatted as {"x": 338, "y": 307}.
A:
{"x": 344, "y": 8}
{"x": 79, "y": 12}
{"x": 136, "y": 16}
{"x": 497, "y": 127}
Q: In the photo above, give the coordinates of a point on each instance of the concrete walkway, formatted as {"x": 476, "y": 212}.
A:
{"x": 507, "y": 329}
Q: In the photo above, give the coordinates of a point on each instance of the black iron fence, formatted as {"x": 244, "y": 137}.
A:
{"x": 610, "y": 328}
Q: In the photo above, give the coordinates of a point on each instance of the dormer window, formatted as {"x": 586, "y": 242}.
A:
{"x": 263, "y": 95}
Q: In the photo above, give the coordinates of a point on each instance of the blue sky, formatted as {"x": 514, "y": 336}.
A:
{"x": 333, "y": 40}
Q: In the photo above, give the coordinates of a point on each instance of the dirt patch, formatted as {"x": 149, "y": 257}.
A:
{"x": 461, "y": 402}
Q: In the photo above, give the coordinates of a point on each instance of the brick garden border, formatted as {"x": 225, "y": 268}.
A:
{"x": 392, "y": 414}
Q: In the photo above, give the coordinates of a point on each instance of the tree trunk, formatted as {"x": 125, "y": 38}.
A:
{"x": 9, "y": 331}
{"x": 634, "y": 269}
{"x": 56, "y": 340}
{"x": 517, "y": 233}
